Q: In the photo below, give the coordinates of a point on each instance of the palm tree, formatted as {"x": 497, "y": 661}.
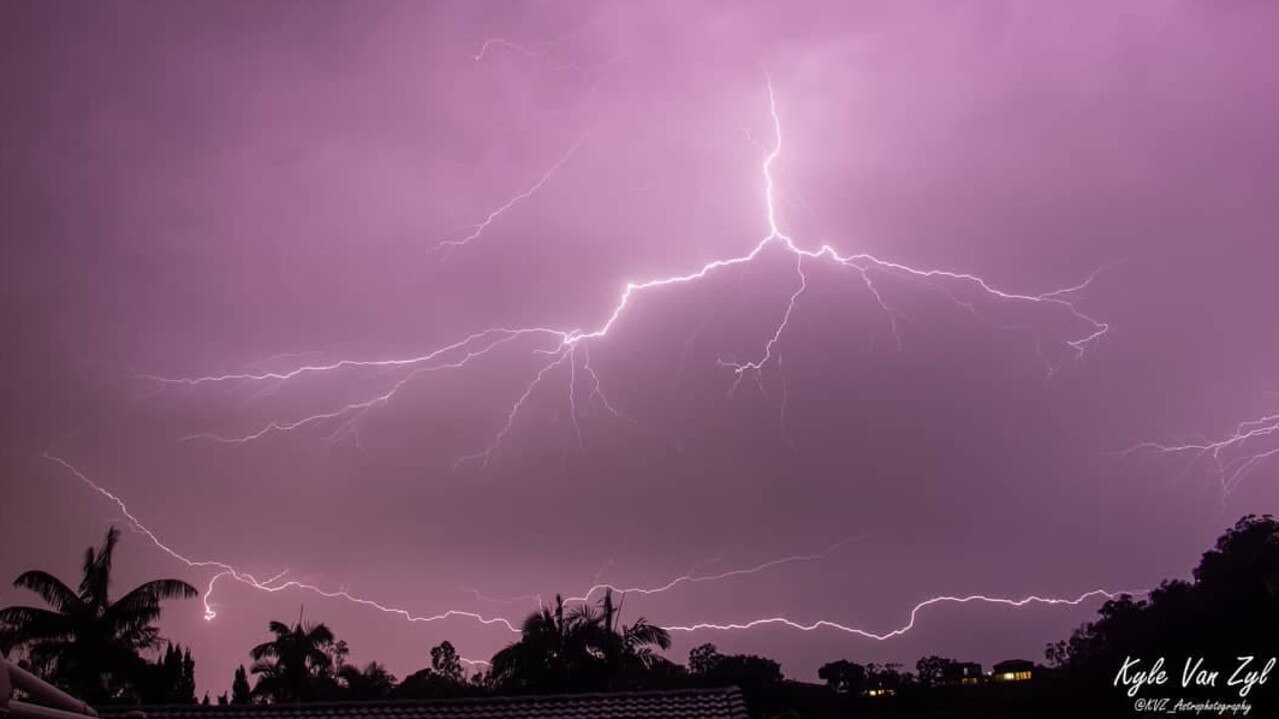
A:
{"x": 585, "y": 649}
{"x": 84, "y": 642}
{"x": 626, "y": 649}
{"x": 371, "y": 682}
{"x": 296, "y": 666}
{"x": 554, "y": 653}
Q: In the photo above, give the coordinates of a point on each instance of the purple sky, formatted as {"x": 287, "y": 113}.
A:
{"x": 209, "y": 189}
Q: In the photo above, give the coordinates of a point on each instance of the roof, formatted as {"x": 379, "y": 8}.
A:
{"x": 719, "y": 703}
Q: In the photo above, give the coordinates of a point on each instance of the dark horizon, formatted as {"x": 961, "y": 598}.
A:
{"x": 237, "y": 235}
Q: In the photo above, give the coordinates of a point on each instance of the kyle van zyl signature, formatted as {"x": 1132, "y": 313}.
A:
{"x": 1248, "y": 673}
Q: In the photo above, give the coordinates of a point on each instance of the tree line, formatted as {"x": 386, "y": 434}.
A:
{"x": 108, "y": 651}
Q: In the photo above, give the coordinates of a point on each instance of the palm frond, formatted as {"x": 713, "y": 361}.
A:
{"x": 86, "y": 571}
{"x": 642, "y": 633}
{"x": 319, "y": 634}
{"x": 647, "y": 659}
{"x": 124, "y": 618}
{"x": 261, "y": 667}
{"x": 584, "y": 614}
{"x": 26, "y": 624}
{"x": 265, "y": 650}
{"x": 139, "y": 637}
{"x": 30, "y": 615}
{"x": 51, "y": 589}
{"x": 142, "y": 604}
{"x": 97, "y": 569}
{"x": 163, "y": 589}
{"x": 538, "y": 622}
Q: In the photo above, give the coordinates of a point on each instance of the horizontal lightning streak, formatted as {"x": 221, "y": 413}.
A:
{"x": 271, "y": 585}
{"x": 1234, "y": 456}
{"x": 500, "y": 42}
{"x": 358, "y": 364}
{"x": 691, "y": 578}
{"x": 542, "y": 52}
{"x": 826, "y": 624}
{"x": 356, "y": 409}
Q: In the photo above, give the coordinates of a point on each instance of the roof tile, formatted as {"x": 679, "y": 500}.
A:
{"x": 719, "y": 703}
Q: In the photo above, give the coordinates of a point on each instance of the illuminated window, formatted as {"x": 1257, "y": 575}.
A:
{"x": 879, "y": 692}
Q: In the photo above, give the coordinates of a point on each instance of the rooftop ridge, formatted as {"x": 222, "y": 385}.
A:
{"x": 733, "y": 705}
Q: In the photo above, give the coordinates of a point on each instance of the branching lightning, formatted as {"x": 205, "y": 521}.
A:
{"x": 478, "y": 228}
{"x": 1233, "y": 456}
{"x": 544, "y": 51}
{"x": 691, "y": 578}
{"x": 272, "y": 584}
{"x": 276, "y": 584}
{"x": 556, "y": 351}
{"x": 558, "y": 347}
{"x": 541, "y": 52}
{"x": 914, "y": 613}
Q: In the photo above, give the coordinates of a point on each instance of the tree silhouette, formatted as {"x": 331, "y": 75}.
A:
{"x": 1231, "y": 609}
{"x": 171, "y": 680}
{"x": 554, "y": 653}
{"x": 443, "y": 679}
{"x": 86, "y": 643}
{"x": 627, "y": 650}
{"x": 371, "y": 682}
{"x": 887, "y": 676}
{"x": 445, "y": 662}
{"x": 588, "y": 648}
{"x": 757, "y": 677}
{"x": 753, "y": 674}
{"x": 843, "y": 676}
{"x": 241, "y": 692}
{"x": 703, "y": 658}
{"x": 934, "y": 670}
{"x": 298, "y": 665}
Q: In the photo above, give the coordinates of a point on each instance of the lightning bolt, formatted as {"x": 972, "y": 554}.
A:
{"x": 1234, "y": 456}
{"x": 540, "y": 52}
{"x": 521, "y": 599}
{"x": 498, "y": 42}
{"x": 557, "y": 352}
{"x": 558, "y": 346}
{"x": 486, "y": 341}
{"x": 276, "y": 584}
{"x": 270, "y": 585}
{"x": 478, "y": 228}
{"x": 691, "y": 578}
{"x": 914, "y": 613}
